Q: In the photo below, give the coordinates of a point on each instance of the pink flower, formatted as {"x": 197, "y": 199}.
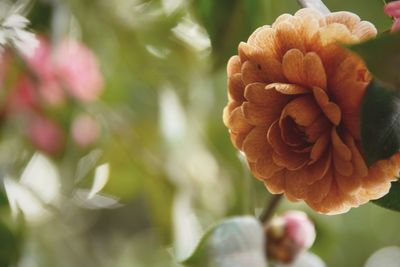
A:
{"x": 85, "y": 130}
{"x": 393, "y": 9}
{"x": 77, "y": 67}
{"x": 46, "y": 135}
{"x": 71, "y": 68}
{"x": 41, "y": 63}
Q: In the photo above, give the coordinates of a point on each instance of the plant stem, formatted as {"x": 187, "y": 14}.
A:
{"x": 317, "y": 4}
{"x": 270, "y": 208}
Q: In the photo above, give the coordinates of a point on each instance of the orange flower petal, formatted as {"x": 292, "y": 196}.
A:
{"x": 311, "y": 13}
{"x": 246, "y": 52}
{"x": 320, "y": 189}
{"x": 295, "y": 184}
{"x": 314, "y": 70}
{"x": 237, "y": 122}
{"x": 318, "y": 127}
{"x": 276, "y": 184}
{"x": 342, "y": 166}
{"x": 291, "y": 135}
{"x": 350, "y": 20}
{"x": 257, "y": 93}
{"x": 319, "y": 147}
{"x": 333, "y": 203}
{"x": 287, "y": 37}
{"x": 237, "y": 139}
{"x": 282, "y": 153}
{"x": 228, "y": 111}
{"x": 293, "y": 66}
{"x": 236, "y": 87}
{"x": 264, "y": 39}
{"x": 288, "y": 89}
{"x": 336, "y": 32}
{"x": 316, "y": 171}
{"x": 252, "y": 74}
{"x": 303, "y": 110}
{"x": 258, "y": 115}
{"x": 254, "y": 36}
{"x": 365, "y": 30}
{"x": 340, "y": 148}
{"x": 359, "y": 164}
{"x": 266, "y": 167}
{"x": 271, "y": 67}
{"x": 256, "y": 144}
{"x": 330, "y": 109}
{"x": 348, "y": 184}
{"x": 234, "y": 66}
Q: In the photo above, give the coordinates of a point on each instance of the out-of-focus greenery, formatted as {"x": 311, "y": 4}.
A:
{"x": 172, "y": 165}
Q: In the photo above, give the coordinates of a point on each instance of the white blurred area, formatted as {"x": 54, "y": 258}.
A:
{"x": 385, "y": 257}
{"x": 38, "y": 186}
{"x": 192, "y": 168}
{"x": 36, "y": 194}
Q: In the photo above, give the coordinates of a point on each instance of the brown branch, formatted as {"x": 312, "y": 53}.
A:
{"x": 270, "y": 208}
{"x": 317, "y": 4}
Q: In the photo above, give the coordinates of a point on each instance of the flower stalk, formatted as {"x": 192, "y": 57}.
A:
{"x": 270, "y": 208}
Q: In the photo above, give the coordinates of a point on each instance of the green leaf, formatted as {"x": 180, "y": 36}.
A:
{"x": 236, "y": 242}
{"x": 382, "y": 56}
{"x": 392, "y": 199}
{"x": 380, "y": 122}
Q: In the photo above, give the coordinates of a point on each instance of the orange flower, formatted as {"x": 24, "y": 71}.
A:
{"x": 294, "y": 111}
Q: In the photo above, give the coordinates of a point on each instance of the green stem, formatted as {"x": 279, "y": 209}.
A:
{"x": 270, "y": 208}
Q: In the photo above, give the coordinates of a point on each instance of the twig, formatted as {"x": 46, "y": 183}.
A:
{"x": 270, "y": 208}
{"x": 317, "y": 4}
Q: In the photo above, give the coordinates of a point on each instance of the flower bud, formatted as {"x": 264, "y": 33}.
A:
{"x": 288, "y": 235}
{"x": 85, "y": 130}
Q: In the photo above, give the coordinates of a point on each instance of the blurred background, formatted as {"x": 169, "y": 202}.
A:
{"x": 113, "y": 153}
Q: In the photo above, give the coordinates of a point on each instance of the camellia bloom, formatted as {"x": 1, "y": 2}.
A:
{"x": 294, "y": 111}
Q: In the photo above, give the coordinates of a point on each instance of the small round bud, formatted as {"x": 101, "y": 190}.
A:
{"x": 85, "y": 130}
{"x": 288, "y": 235}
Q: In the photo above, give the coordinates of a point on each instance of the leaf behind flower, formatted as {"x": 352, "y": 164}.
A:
{"x": 380, "y": 122}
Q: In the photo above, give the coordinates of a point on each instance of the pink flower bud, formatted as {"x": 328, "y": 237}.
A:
{"x": 288, "y": 235}
{"x": 393, "y": 9}
{"x": 77, "y": 67}
{"x": 45, "y": 135}
{"x": 85, "y": 130}
{"x": 299, "y": 228}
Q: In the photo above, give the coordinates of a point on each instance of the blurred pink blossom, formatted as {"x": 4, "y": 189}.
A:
{"x": 22, "y": 97}
{"x": 46, "y": 135}
{"x": 299, "y": 228}
{"x": 70, "y": 68}
{"x": 289, "y": 235}
{"x": 77, "y": 67}
{"x": 41, "y": 63}
{"x": 85, "y": 130}
{"x": 393, "y": 9}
